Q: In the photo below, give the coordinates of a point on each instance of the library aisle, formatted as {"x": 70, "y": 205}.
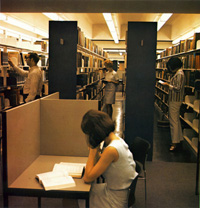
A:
{"x": 170, "y": 176}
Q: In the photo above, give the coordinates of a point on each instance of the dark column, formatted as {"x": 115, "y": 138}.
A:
{"x": 141, "y": 58}
{"x": 63, "y": 39}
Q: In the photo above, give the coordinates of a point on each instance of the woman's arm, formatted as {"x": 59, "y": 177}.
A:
{"x": 94, "y": 170}
{"x": 178, "y": 82}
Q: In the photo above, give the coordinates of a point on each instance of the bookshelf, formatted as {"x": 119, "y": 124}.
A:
{"x": 75, "y": 63}
{"x": 10, "y": 82}
{"x": 189, "y": 52}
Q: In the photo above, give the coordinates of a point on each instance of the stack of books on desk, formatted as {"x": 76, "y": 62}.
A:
{"x": 61, "y": 176}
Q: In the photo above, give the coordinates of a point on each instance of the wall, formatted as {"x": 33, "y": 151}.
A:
{"x": 183, "y": 23}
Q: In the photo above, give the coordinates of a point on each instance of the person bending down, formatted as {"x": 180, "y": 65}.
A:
{"x": 115, "y": 163}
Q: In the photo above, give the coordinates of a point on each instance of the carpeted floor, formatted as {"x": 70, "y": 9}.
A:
{"x": 169, "y": 185}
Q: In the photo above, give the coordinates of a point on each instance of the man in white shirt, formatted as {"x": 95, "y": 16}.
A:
{"x": 33, "y": 85}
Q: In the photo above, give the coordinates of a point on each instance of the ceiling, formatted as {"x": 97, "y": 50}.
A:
{"x": 100, "y": 6}
{"x": 95, "y": 28}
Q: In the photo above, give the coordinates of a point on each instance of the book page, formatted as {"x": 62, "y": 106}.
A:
{"x": 58, "y": 183}
{"x": 51, "y": 174}
{"x": 73, "y": 169}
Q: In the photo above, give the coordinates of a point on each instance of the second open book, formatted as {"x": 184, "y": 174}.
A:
{"x": 61, "y": 176}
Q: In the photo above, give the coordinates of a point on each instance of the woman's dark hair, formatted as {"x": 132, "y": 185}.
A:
{"x": 35, "y": 57}
{"x": 173, "y": 64}
{"x": 98, "y": 125}
{"x": 108, "y": 63}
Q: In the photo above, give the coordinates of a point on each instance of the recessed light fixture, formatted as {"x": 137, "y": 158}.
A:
{"x": 23, "y": 25}
{"x": 111, "y": 26}
{"x": 162, "y": 20}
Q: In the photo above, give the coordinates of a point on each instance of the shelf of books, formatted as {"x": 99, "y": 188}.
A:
{"x": 10, "y": 82}
{"x": 90, "y": 61}
{"x": 189, "y": 52}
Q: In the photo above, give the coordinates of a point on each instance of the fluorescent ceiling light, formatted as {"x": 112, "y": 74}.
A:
{"x": 108, "y": 16}
{"x": 115, "y": 37}
{"x": 18, "y": 23}
{"x": 14, "y": 33}
{"x": 2, "y": 17}
{"x": 22, "y": 25}
{"x": 162, "y": 20}
{"x": 53, "y": 16}
{"x": 111, "y": 26}
{"x": 115, "y": 50}
{"x": 40, "y": 32}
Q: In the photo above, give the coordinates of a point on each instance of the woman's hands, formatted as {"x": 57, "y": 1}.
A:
{"x": 96, "y": 168}
{"x": 165, "y": 83}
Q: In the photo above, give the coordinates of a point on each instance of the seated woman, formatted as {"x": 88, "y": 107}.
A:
{"x": 115, "y": 163}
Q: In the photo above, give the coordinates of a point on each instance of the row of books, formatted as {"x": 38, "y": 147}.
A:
{"x": 88, "y": 61}
{"x": 190, "y": 76}
{"x": 88, "y": 93}
{"x": 161, "y": 106}
{"x": 88, "y": 78}
{"x": 162, "y": 87}
{"x": 89, "y": 44}
{"x": 182, "y": 46}
{"x": 162, "y": 96}
{"x": 18, "y": 58}
{"x": 190, "y": 61}
{"x": 87, "y": 70}
{"x": 2, "y": 101}
{"x": 163, "y": 74}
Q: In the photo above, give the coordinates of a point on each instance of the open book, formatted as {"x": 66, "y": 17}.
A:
{"x": 55, "y": 180}
{"x": 61, "y": 175}
{"x": 74, "y": 169}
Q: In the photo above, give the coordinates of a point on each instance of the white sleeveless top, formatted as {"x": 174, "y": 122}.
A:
{"x": 118, "y": 177}
{"x": 120, "y": 174}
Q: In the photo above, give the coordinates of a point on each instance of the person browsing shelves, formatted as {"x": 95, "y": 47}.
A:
{"x": 111, "y": 81}
{"x": 33, "y": 84}
{"x": 176, "y": 96}
{"x": 115, "y": 162}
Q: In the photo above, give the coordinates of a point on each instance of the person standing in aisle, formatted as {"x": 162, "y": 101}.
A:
{"x": 33, "y": 85}
{"x": 111, "y": 81}
{"x": 115, "y": 162}
{"x": 176, "y": 96}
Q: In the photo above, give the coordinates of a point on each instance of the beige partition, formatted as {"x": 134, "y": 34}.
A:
{"x": 43, "y": 127}
{"x": 23, "y": 137}
{"x": 61, "y": 133}
{"x": 51, "y": 96}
